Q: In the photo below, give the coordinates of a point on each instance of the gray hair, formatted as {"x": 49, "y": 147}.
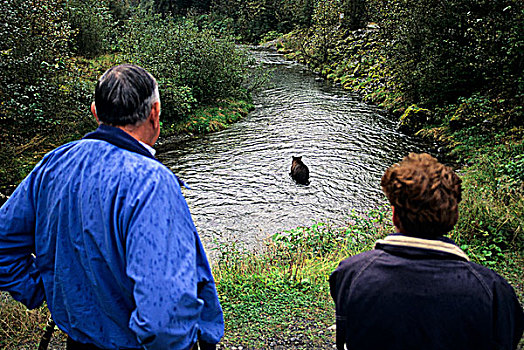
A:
{"x": 124, "y": 95}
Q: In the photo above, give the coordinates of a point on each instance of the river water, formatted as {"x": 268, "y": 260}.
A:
{"x": 240, "y": 188}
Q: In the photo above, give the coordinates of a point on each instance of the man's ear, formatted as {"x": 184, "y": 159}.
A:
{"x": 396, "y": 220}
{"x": 154, "y": 116}
{"x": 93, "y": 110}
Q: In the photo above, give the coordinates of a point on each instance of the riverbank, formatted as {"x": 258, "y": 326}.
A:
{"x": 480, "y": 135}
{"x": 278, "y": 297}
{"x": 274, "y": 298}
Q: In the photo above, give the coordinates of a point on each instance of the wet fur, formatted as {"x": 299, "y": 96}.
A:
{"x": 299, "y": 171}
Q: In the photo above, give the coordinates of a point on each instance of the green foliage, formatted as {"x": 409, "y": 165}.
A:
{"x": 215, "y": 23}
{"x": 33, "y": 53}
{"x": 326, "y": 13}
{"x": 295, "y": 14}
{"x": 269, "y": 36}
{"x": 253, "y": 19}
{"x": 354, "y": 14}
{"x": 120, "y": 9}
{"x": 441, "y": 50}
{"x": 209, "y": 119}
{"x": 512, "y": 173}
{"x": 320, "y": 240}
{"x": 415, "y": 118}
{"x": 92, "y": 22}
{"x": 179, "y": 7}
{"x": 492, "y": 215}
{"x": 283, "y": 291}
{"x": 193, "y": 67}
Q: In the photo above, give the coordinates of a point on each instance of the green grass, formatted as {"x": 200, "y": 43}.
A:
{"x": 282, "y": 293}
{"x": 208, "y": 119}
{"x": 278, "y": 297}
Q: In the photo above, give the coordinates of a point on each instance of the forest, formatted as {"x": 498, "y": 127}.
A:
{"x": 449, "y": 71}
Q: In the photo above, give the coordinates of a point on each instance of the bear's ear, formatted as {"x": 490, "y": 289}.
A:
{"x": 297, "y": 158}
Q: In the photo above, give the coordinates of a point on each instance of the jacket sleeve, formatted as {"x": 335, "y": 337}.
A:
{"x": 212, "y": 318}
{"x": 18, "y": 273}
{"x": 508, "y": 321}
{"x": 162, "y": 260}
{"x": 334, "y": 288}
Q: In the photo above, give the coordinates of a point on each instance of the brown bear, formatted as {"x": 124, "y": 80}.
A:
{"x": 299, "y": 171}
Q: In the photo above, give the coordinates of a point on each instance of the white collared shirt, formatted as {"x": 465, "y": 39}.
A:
{"x": 149, "y": 148}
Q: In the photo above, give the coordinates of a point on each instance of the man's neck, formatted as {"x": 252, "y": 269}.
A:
{"x": 149, "y": 148}
{"x": 138, "y": 133}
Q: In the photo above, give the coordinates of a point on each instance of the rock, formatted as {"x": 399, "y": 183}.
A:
{"x": 414, "y": 118}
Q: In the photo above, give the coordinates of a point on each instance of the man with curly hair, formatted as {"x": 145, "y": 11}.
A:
{"x": 417, "y": 289}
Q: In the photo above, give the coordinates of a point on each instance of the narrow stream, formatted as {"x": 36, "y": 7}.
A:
{"x": 239, "y": 178}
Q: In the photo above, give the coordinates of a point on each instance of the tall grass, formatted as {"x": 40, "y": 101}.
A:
{"x": 20, "y": 328}
{"x": 282, "y": 292}
{"x": 278, "y": 296}
{"x": 492, "y": 212}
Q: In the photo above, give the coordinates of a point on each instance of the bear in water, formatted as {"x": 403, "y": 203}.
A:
{"x": 299, "y": 171}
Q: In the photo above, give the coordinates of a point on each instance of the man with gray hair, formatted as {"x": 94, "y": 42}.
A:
{"x": 101, "y": 231}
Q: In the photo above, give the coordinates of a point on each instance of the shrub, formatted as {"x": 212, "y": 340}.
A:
{"x": 193, "y": 67}
{"x": 491, "y": 218}
{"x": 253, "y": 19}
{"x": 92, "y": 22}
{"x": 34, "y": 48}
{"x": 445, "y": 49}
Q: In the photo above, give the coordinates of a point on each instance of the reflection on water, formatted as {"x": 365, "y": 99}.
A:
{"x": 239, "y": 177}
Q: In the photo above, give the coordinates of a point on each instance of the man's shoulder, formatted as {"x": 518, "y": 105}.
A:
{"x": 359, "y": 260}
{"x": 117, "y": 162}
{"x": 489, "y": 278}
{"x": 101, "y": 148}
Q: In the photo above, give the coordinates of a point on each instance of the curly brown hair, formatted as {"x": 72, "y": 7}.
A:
{"x": 425, "y": 195}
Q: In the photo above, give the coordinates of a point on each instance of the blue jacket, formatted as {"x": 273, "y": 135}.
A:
{"x": 101, "y": 231}
{"x": 410, "y": 294}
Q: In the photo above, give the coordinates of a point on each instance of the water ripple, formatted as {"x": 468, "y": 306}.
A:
{"x": 239, "y": 178}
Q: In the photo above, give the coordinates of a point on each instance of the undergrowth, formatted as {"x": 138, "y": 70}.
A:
{"x": 20, "y": 328}
{"x": 280, "y": 296}
{"x": 282, "y": 292}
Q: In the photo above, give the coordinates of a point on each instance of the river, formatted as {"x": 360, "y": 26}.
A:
{"x": 240, "y": 188}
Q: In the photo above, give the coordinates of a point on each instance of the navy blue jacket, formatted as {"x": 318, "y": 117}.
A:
{"x": 411, "y": 293}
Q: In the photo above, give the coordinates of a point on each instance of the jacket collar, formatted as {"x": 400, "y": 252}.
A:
{"x": 439, "y": 246}
{"x": 122, "y": 139}
{"x": 119, "y": 138}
